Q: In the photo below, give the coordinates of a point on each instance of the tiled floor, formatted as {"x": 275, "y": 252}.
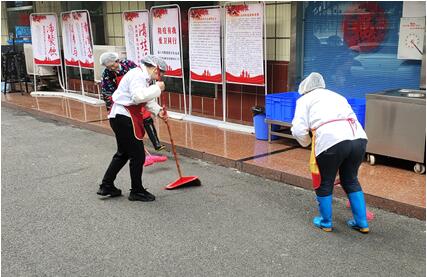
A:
{"x": 393, "y": 186}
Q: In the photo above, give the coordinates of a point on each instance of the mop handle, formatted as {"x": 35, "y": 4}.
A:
{"x": 178, "y": 168}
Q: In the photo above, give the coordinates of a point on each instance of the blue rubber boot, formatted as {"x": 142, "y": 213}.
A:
{"x": 358, "y": 207}
{"x": 324, "y": 221}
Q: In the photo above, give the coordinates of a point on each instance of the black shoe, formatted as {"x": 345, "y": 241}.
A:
{"x": 160, "y": 147}
{"x": 143, "y": 196}
{"x": 109, "y": 190}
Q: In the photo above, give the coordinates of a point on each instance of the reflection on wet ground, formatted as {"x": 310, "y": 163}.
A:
{"x": 390, "y": 184}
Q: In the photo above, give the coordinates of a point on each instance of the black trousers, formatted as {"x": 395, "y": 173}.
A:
{"x": 128, "y": 148}
{"x": 345, "y": 158}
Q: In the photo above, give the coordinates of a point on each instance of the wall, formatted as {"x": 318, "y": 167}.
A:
{"x": 113, "y": 19}
{"x": 47, "y": 7}
{"x": 4, "y": 27}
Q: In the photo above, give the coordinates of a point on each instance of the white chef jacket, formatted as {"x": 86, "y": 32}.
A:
{"x": 320, "y": 106}
{"x": 134, "y": 89}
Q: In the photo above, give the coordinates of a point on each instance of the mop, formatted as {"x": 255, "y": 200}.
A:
{"x": 182, "y": 180}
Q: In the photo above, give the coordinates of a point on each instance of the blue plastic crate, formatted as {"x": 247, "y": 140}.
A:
{"x": 359, "y": 107}
{"x": 281, "y": 106}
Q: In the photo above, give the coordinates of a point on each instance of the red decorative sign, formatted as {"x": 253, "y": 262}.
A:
{"x": 158, "y": 13}
{"x": 235, "y": 10}
{"x": 364, "y": 26}
{"x": 198, "y": 13}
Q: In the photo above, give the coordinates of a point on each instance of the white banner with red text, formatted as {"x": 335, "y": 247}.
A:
{"x": 84, "y": 38}
{"x": 167, "y": 39}
{"x": 137, "y": 39}
{"x": 244, "y": 54}
{"x": 205, "y": 45}
{"x": 44, "y": 36}
{"x": 69, "y": 40}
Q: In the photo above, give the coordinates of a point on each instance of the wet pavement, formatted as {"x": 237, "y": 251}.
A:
{"x": 389, "y": 185}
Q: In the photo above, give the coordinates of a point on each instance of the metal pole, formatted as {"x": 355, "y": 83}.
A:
{"x": 182, "y": 58}
{"x": 35, "y": 78}
{"x": 190, "y": 104}
{"x": 224, "y": 70}
{"x": 265, "y": 46}
{"x": 63, "y": 48}
{"x": 80, "y": 67}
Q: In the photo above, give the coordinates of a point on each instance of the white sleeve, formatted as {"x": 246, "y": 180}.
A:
{"x": 300, "y": 127}
{"x": 141, "y": 93}
{"x": 153, "y": 107}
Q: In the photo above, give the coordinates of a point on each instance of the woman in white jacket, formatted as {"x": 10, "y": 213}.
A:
{"x": 340, "y": 145}
{"x": 135, "y": 91}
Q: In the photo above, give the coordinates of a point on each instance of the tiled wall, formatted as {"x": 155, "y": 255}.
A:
{"x": 4, "y": 27}
{"x": 113, "y": 19}
{"x": 47, "y": 7}
{"x": 50, "y": 7}
{"x": 278, "y": 25}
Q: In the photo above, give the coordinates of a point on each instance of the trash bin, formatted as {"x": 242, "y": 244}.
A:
{"x": 261, "y": 129}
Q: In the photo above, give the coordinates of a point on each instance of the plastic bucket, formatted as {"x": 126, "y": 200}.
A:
{"x": 261, "y": 128}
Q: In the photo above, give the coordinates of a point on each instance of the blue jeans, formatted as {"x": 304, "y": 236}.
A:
{"x": 344, "y": 157}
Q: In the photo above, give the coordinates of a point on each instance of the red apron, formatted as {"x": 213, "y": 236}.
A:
{"x": 137, "y": 114}
{"x": 137, "y": 117}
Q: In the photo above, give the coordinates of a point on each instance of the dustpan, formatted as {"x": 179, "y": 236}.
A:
{"x": 182, "y": 180}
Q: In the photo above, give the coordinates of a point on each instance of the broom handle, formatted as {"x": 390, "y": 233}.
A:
{"x": 178, "y": 168}
{"x": 173, "y": 147}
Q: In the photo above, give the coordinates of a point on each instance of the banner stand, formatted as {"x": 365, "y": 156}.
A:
{"x": 135, "y": 53}
{"x": 221, "y": 54}
{"x": 67, "y": 93}
{"x": 222, "y": 124}
{"x": 265, "y": 51}
{"x": 181, "y": 48}
{"x": 59, "y": 67}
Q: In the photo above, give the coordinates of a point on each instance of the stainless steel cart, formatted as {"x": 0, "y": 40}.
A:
{"x": 396, "y": 126}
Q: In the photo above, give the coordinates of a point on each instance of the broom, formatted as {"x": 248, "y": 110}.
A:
{"x": 182, "y": 180}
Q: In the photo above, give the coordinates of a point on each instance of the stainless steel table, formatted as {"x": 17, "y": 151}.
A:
{"x": 284, "y": 131}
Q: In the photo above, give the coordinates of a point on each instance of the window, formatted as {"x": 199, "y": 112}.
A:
{"x": 354, "y": 46}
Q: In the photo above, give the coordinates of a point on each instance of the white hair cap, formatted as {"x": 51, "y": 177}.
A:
{"x": 108, "y": 58}
{"x": 312, "y": 82}
{"x": 155, "y": 61}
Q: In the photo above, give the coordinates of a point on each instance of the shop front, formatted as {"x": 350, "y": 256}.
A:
{"x": 355, "y": 46}
{"x": 372, "y": 53}
{"x": 225, "y": 103}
